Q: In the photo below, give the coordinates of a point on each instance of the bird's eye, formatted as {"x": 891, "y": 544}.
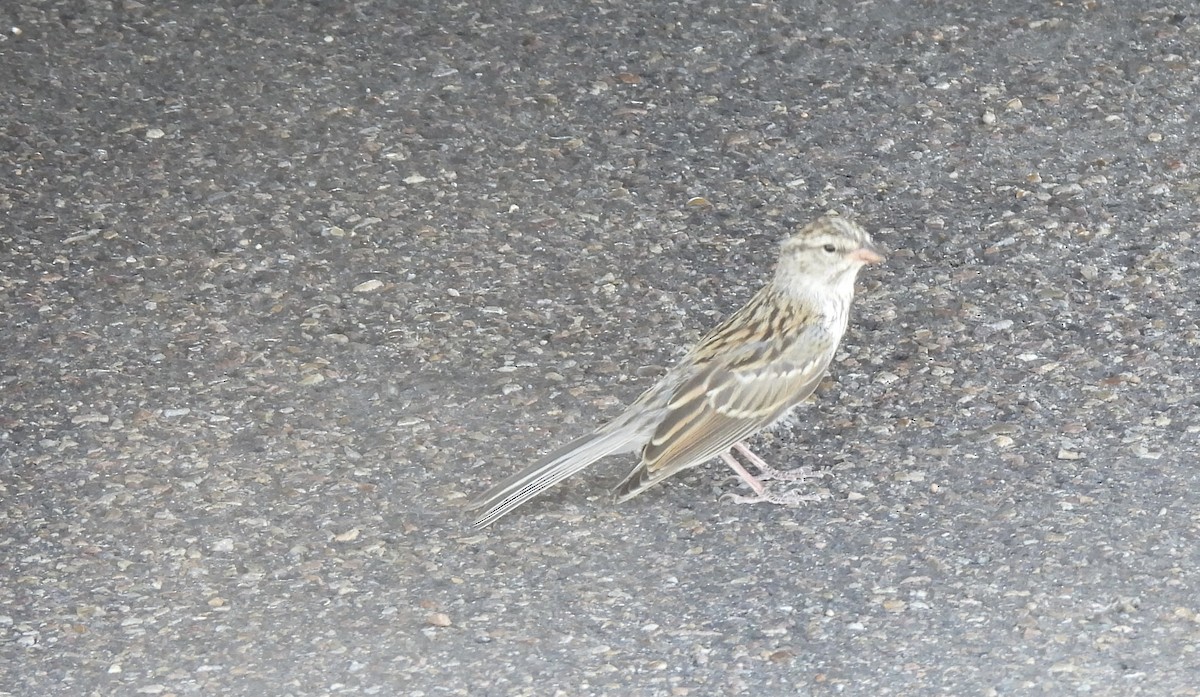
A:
{"x": 830, "y": 248}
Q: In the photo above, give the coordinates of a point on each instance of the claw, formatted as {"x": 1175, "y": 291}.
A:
{"x": 797, "y": 475}
{"x": 762, "y": 494}
{"x": 792, "y": 497}
{"x": 766, "y": 471}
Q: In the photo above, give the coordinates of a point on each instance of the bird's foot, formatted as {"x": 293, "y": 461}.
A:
{"x": 766, "y": 471}
{"x": 799, "y": 474}
{"x": 792, "y": 497}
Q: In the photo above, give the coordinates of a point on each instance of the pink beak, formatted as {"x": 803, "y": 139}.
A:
{"x": 867, "y": 254}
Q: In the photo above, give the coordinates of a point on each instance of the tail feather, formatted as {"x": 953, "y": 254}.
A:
{"x": 550, "y": 470}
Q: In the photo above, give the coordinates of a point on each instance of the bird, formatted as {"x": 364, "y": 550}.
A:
{"x": 744, "y": 376}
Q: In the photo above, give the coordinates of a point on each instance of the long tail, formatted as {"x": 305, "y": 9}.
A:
{"x": 550, "y": 470}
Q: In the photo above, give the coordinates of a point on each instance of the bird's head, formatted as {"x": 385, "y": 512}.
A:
{"x": 825, "y": 255}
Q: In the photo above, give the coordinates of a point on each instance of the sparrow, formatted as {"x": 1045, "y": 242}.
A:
{"x": 746, "y": 375}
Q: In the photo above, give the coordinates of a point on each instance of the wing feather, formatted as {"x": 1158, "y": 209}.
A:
{"x": 729, "y": 400}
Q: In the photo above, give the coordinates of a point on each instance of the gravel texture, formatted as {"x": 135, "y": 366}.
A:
{"x": 282, "y": 284}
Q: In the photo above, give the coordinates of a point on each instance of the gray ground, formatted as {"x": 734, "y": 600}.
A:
{"x": 284, "y": 283}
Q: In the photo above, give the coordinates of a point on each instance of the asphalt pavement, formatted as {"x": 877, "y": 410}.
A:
{"x": 284, "y": 284}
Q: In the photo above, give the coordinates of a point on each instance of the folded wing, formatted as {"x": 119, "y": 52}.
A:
{"x": 729, "y": 399}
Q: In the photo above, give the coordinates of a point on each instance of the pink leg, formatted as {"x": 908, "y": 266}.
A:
{"x": 741, "y": 472}
{"x": 768, "y": 472}
{"x": 762, "y": 495}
